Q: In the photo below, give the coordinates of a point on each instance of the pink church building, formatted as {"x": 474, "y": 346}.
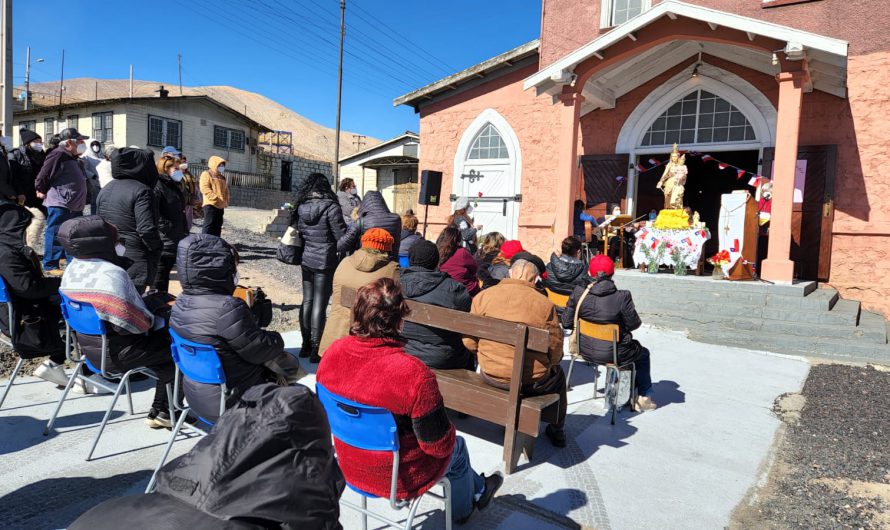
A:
{"x": 794, "y": 90}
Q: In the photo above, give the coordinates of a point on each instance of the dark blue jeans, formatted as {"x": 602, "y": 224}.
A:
{"x": 465, "y": 483}
{"x": 52, "y": 250}
{"x": 644, "y": 377}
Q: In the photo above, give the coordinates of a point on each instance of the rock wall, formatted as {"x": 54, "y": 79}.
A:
{"x": 258, "y": 198}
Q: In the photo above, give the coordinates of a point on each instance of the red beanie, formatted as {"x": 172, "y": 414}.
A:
{"x": 601, "y": 264}
{"x": 510, "y": 248}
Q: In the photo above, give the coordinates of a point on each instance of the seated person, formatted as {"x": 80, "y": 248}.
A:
{"x": 456, "y": 261}
{"x": 424, "y": 283}
{"x": 577, "y": 222}
{"x": 207, "y": 313}
{"x": 605, "y": 304}
{"x": 34, "y": 298}
{"x": 371, "y": 367}
{"x": 410, "y": 235}
{"x": 372, "y": 261}
{"x": 488, "y": 250}
{"x": 136, "y": 336}
{"x": 515, "y": 299}
{"x": 500, "y": 265}
{"x": 566, "y": 271}
{"x": 281, "y": 433}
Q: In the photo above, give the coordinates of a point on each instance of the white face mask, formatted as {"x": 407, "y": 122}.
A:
{"x": 183, "y": 166}
{"x": 81, "y": 148}
{"x": 353, "y": 191}
{"x": 221, "y": 169}
{"x": 119, "y": 249}
{"x": 37, "y": 147}
{"x": 96, "y": 148}
{"x": 176, "y": 176}
{"x": 236, "y": 278}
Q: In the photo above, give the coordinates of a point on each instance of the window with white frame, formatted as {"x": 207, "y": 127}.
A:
{"x": 230, "y": 139}
{"x": 103, "y": 126}
{"x": 488, "y": 144}
{"x": 164, "y": 131}
{"x": 700, "y": 118}
{"x": 617, "y": 12}
{"x": 49, "y": 127}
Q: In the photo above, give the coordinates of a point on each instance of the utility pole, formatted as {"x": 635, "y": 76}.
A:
{"x": 131, "y": 81}
{"x": 28, "y": 77}
{"x": 179, "y": 60}
{"x": 62, "y": 81}
{"x": 6, "y": 45}
{"x": 336, "y": 164}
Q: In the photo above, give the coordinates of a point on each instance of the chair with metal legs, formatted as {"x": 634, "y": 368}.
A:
{"x": 200, "y": 363}
{"x": 615, "y": 394}
{"x": 374, "y": 429}
{"x": 5, "y": 299}
{"x": 82, "y": 318}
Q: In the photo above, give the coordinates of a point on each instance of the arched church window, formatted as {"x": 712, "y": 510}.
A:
{"x": 700, "y": 118}
{"x": 488, "y": 144}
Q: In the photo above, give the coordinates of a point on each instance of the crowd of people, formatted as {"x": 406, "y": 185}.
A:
{"x": 119, "y": 259}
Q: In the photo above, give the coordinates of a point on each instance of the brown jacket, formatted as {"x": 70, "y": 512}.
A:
{"x": 516, "y": 301}
{"x": 213, "y": 185}
{"x": 356, "y": 271}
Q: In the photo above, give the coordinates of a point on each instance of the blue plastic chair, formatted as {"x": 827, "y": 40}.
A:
{"x": 83, "y": 319}
{"x": 374, "y": 429}
{"x": 4, "y": 299}
{"x": 200, "y": 363}
{"x": 403, "y": 262}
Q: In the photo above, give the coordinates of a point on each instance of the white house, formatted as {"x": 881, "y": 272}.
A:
{"x": 390, "y": 168}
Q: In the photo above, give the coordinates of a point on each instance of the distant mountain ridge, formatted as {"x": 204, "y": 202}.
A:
{"x": 309, "y": 137}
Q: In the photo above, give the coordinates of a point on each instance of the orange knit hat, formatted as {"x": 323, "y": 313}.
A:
{"x": 377, "y": 239}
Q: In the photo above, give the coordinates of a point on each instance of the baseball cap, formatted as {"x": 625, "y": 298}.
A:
{"x": 170, "y": 150}
{"x": 601, "y": 264}
{"x": 71, "y": 134}
{"x": 534, "y": 260}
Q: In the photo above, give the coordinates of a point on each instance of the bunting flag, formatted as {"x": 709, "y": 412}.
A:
{"x": 722, "y": 166}
{"x": 740, "y": 173}
{"x": 641, "y": 168}
{"x": 705, "y": 158}
{"x": 654, "y": 162}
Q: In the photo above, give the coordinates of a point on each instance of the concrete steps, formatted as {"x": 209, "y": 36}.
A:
{"x": 795, "y": 319}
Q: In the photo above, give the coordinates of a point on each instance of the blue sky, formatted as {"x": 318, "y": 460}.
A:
{"x": 283, "y": 49}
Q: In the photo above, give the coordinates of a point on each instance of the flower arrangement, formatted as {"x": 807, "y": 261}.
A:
{"x": 678, "y": 259}
{"x": 672, "y": 220}
{"x": 720, "y": 259}
{"x": 653, "y": 255}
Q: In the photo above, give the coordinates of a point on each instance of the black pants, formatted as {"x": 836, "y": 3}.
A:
{"x": 552, "y": 383}
{"x": 213, "y": 220}
{"x": 162, "y": 276}
{"x": 317, "y": 287}
{"x": 153, "y": 353}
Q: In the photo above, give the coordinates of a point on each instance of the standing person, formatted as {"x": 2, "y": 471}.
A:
{"x": 374, "y": 213}
{"x": 171, "y": 218}
{"x": 128, "y": 203}
{"x": 318, "y": 218}
{"x": 191, "y": 195}
{"x": 90, "y": 161}
{"x": 62, "y": 185}
{"x": 410, "y": 236}
{"x": 456, "y": 261}
{"x": 103, "y": 169}
{"x": 25, "y": 163}
{"x": 461, "y": 220}
{"x": 170, "y": 152}
{"x": 371, "y": 367}
{"x": 8, "y": 189}
{"x": 349, "y": 200}
{"x": 216, "y": 195}
{"x": 368, "y": 263}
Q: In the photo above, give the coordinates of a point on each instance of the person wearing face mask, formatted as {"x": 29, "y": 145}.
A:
{"x": 191, "y": 195}
{"x": 103, "y": 169}
{"x": 515, "y": 299}
{"x": 171, "y": 217}
{"x": 62, "y": 185}
{"x": 216, "y": 195}
{"x": 128, "y": 202}
{"x": 91, "y": 160}
{"x": 25, "y": 163}
{"x": 462, "y": 220}
{"x": 347, "y": 196}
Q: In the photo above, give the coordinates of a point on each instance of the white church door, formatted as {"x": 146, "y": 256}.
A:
{"x": 487, "y": 172}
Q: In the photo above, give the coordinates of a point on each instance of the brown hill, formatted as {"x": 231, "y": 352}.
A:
{"x": 309, "y": 137}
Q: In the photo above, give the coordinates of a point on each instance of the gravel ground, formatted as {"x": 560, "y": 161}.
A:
{"x": 832, "y": 466}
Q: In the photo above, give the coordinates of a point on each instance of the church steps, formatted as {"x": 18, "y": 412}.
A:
{"x": 844, "y": 314}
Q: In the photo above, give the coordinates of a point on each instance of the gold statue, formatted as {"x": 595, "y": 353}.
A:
{"x": 673, "y": 180}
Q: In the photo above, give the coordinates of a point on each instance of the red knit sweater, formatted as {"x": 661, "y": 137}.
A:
{"x": 379, "y": 373}
{"x": 462, "y": 268}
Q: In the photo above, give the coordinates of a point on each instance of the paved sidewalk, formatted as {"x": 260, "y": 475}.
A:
{"x": 685, "y": 465}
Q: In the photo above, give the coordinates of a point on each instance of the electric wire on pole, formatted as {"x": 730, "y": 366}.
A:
{"x": 336, "y": 163}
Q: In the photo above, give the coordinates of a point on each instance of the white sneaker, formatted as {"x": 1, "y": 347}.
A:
{"x": 90, "y": 387}
{"x": 52, "y": 372}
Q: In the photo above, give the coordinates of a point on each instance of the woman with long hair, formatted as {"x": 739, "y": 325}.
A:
{"x": 347, "y": 194}
{"x": 456, "y": 261}
{"x": 462, "y": 220}
{"x": 319, "y": 219}
{"x": 488, "y": 251}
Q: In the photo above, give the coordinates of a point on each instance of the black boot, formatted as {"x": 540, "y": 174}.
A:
{"x": 314, "y": 358}
{"x": 307, "y": 343}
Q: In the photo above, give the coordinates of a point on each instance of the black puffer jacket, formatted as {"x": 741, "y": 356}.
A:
{"x": 605, "y": 304}
{"x": 320, "y": 222}
{"x": 25, "y": 164}
{"x": 171, "y": 213}
{"x": 374, "y": 213}
{"x": 33, "y": 296}
{"x": 207, "y": 313}
{"x": 437, "y": 348}
{"x": 268, "y": 463}
{"x": 564, "y": 273}
{"x": 408, "y": 239}
{"x": 128, "y": 202}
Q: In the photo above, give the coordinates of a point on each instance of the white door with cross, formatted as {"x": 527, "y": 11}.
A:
{"x": 487, "y": 166}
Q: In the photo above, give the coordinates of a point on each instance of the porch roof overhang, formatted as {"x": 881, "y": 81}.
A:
{"x": 389, "y": 161}
{"x": 672, "y": 32}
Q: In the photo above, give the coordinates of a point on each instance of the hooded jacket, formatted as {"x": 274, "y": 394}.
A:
{"x": 25, "y": 164}
{"x": 355, "y": 271}
{"x": 28, "y": 289}
{"x": 408, "y": 240}
{"x": 213, "y": 185}
{"x": 171, "y": 213}
{"x": 605, "y": 304}
{"x": 63, "y": 181}
{"x": 348, "y": 202}
{"x": 207, "y": 313}
{"x": 436, "y": 347}
{"x": 374, "y": 213}
{"x": 91, "y": 160}
{"x": 564, "y": 273}
{"x": 268, "y": 463}
{"x": 128, "y": 203}
{"x": 324, "y": 233}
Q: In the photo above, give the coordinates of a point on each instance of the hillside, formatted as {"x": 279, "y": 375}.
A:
{"x": 309, "y": 137}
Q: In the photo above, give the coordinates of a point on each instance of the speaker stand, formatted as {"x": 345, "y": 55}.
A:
{"x": 426, "y": 214}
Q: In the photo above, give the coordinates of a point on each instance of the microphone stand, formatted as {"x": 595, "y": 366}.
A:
{"x": 621, "y": 239}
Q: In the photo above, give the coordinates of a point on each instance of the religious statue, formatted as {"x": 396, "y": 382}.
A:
{"x": 673, "y": 180}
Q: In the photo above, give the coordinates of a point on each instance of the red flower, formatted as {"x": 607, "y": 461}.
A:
{"x": 480, "y": 194}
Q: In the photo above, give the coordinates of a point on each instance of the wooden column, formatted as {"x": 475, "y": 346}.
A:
{"x": 569, "y": 109}
{"x": 778, "y": 267}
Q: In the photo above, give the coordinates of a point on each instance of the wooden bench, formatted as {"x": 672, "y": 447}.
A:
{"x": 465, "y": 391}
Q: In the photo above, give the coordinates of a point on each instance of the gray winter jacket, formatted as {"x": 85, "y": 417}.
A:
{"x": 63, "y": 181}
